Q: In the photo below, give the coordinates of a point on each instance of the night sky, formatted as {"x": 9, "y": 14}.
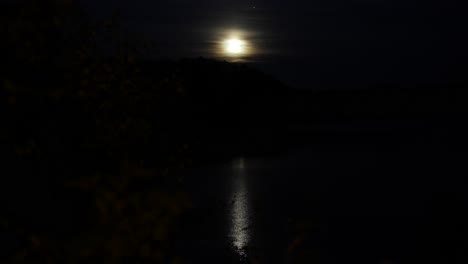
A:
{"x": 312, "y": 44}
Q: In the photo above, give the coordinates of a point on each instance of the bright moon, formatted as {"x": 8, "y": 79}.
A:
{"x": 234, "y": 46}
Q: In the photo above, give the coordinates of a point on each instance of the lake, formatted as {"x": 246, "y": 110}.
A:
{"x": 379, "y": 201}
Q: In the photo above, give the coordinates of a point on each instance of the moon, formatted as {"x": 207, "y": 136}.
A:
{"x": 234, "y": 47}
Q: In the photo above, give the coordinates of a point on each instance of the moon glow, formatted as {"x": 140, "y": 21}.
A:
{"x": 234, "y": 46}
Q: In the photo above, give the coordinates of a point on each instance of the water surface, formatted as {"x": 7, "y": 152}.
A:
{"x": 348, "y": 203}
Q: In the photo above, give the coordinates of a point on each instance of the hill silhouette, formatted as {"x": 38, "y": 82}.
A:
{"x": 227, "y": 105}
{"x": 251, "y": 111}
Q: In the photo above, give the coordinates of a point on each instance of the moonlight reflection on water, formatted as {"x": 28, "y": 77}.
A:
{"x": 239, "y": 211}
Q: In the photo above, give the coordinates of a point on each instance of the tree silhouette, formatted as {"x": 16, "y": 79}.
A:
{"x": 88, "y": 161}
